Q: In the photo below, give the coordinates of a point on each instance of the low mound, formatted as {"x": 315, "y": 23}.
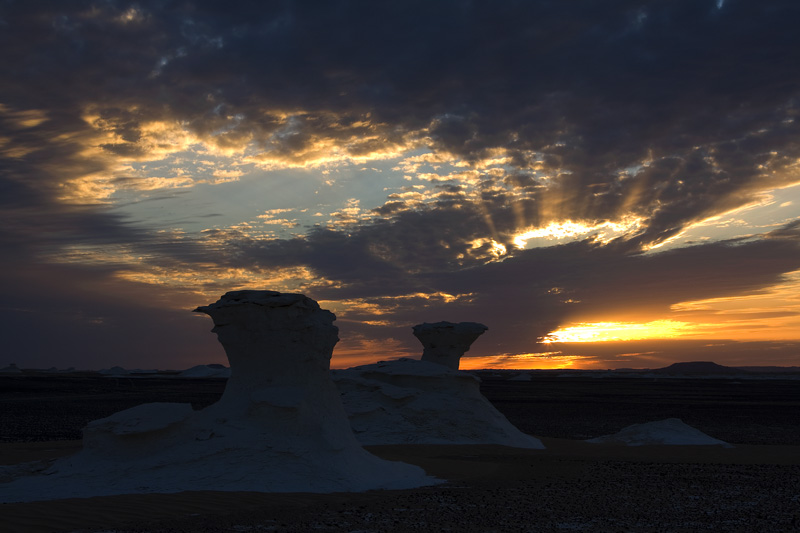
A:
{"x": 114, "y": 371}
{"x": 671, "y": 431}
{"x": 206, "y": 371}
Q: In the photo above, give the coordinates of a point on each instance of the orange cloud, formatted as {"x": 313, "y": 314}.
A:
{"x": 541, "y": 360}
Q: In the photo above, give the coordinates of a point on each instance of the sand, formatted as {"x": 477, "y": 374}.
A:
{"x": 570, "y": 486}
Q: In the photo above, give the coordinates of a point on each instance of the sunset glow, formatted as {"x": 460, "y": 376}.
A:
{"x": 618, "y": 331}
{"x": 543, "y": 360}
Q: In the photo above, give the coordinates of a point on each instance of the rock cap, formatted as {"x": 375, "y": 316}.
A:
{"x": 445, "y": 342}
{"x": 256, "y": 297}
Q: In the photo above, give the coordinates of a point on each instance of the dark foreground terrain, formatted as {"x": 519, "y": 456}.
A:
{"x": 748, "y": 411}
{"x": 570, "y": 486}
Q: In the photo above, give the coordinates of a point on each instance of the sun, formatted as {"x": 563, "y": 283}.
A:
{"x": 618, "y": 331}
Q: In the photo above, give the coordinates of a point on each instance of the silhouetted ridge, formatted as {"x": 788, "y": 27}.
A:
{"x": 698, "y": 368}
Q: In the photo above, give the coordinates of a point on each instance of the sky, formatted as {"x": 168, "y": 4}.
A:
{"x": 604, "y": 184}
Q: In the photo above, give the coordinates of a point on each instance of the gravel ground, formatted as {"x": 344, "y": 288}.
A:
{"x": 607, "y": 496}
{"x": 568, "y": 487}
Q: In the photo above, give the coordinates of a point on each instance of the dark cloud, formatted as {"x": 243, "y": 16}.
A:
{"x": 668, "y": 111}
{"x": 703, "y": 95}
{"x": 73, "y": 315}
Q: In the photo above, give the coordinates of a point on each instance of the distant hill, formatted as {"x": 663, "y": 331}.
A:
{"x": 771, "y": 369}
{"x": 695, "y": 368}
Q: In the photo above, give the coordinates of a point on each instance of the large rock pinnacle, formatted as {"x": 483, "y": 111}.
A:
{"x": 273, "y": 338}
{"x": 445, "y": 342}
{"x": 279, "y": 427}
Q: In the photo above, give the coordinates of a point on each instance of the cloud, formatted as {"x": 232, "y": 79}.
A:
{"x": 506, "y": 119}
{"x": 525, "y": 296}
{"x": 612, "y": 101}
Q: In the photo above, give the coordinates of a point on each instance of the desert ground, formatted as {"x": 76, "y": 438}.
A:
{"x": 570, "y": 486}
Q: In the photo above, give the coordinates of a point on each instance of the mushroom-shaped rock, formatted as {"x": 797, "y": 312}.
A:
{"x": 445, "y": 342}
{"x": 279, "y": 426}
{"x": 407, "y": 401}
{"x": 273, "y": 338}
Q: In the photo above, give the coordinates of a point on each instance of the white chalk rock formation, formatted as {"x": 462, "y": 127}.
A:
{"x": 10, "y": 369}
{"x": 279, "y": 426}
{"x": 445, "y": 342}
{"x": 671, "y": 431}
{"x": 424, "y": 402}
